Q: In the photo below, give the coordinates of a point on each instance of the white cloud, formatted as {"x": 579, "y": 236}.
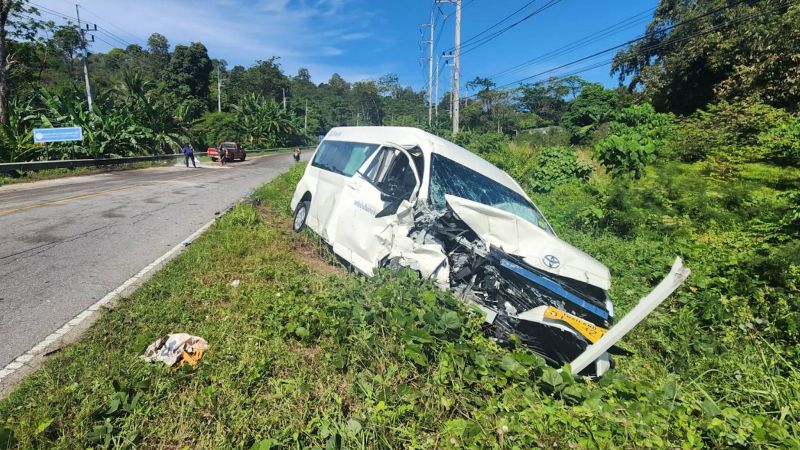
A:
{"x": 303, "y": 33}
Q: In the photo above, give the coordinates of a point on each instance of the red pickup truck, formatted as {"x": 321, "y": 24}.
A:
{"x": 232, "y": 151}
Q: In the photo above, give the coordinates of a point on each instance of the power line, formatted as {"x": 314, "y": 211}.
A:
{"x": 67, "y": 17}
{"x": 486, "y": 39}
{"x": 654, "y": 46}
{"x": 580, "y": 43}
{"x": 498, "y": 23}
{"x": 135, "y": 38}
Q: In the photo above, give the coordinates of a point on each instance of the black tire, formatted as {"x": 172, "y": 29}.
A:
{"x": 300, "y": 216}
{"x": 244, "y": 156}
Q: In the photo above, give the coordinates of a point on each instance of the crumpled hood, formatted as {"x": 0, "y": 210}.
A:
{"x": 517, "y": 236}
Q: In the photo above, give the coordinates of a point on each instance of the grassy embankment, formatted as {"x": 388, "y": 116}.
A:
{"x": 304, "y": 355}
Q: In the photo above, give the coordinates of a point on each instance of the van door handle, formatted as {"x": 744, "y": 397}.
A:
{"x": 354, "y": 185}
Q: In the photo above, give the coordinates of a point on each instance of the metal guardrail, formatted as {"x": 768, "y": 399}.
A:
{"x": 73, "y": 163}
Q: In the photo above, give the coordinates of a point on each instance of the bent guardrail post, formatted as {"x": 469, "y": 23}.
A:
{"x": 677, "y": 275}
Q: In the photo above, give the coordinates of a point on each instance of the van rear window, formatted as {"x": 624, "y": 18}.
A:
{"x": 342, "y": 157}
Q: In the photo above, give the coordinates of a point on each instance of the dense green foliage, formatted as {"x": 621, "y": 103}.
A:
{"x": 634, "y": 139}
{"x": 695, "y": 52}
{"x": 151, "y": 100}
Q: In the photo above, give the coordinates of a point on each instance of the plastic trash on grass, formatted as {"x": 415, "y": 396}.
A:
{"x": 176, "y": 349}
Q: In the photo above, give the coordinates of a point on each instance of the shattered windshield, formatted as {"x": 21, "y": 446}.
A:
{"x": 450, "y": 177}
{"x": 342, "y": 157}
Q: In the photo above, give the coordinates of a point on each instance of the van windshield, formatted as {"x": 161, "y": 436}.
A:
{"x": 342, "y": 157}
{"x": 450, "y": 177}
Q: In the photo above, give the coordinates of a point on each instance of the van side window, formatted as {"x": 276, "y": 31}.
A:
{"x": 390, "y": 171}
{"x": 342, "y": 157}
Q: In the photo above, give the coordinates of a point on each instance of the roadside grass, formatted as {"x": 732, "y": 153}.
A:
{"x": 306, "y": 355}
{"x": 49, "y": 174}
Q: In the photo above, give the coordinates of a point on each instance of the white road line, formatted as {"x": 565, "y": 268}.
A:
{"x": 21, "y": 360}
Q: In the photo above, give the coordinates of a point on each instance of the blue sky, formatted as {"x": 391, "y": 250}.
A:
{"x": 364, "y": 39}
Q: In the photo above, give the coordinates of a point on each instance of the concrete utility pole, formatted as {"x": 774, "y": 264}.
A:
{"x": 457, "y": 67}
{"x": 436, "y": 93}
{"x": 430, "y": 74}
{"x": 219, "y": 91}
{"x": 284, "y": 98}
{"x": 455, "y": 94}
{"x": 305, "y": 118}
{"x": 85, "y": 57}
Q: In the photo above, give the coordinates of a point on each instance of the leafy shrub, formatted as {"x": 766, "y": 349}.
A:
{"x": 782, "y": 142}
{"x": 555, "y": 166}
{"x": 634, "y": 139}
{"x": 736, "y": 133}
{"x": 548, "y": 137}
{"x": 481, "y": 143}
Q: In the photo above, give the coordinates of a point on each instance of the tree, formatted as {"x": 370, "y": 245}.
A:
{"x": 698, "y": 52}
{"x": 389, "y": 85}
{"x": 190, "y": 72}
{"x": 593, "y": 106}
{"x": 157, "y": 44}
{"x": 11, "y": 22}
{"x": 303, "y": 74}
{"x": 69, "y": 41}
{"x": 548, "y": 99}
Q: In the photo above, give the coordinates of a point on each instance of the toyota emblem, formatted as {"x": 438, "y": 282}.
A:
{"x": 551, "y": 261}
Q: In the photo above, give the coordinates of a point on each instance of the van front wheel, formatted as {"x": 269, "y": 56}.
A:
{"x": 300, "y": 215}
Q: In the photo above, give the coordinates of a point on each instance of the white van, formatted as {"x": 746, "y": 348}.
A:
{"x": 402, "y": 197}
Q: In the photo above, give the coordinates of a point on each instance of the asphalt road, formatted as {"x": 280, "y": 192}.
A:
{"x": 66, "y": 243}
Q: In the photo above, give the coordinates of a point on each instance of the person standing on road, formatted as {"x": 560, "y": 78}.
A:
{"x": 188, "y": 153}
{"x": 223, "y": 155}
{"x": 297, "y": 154}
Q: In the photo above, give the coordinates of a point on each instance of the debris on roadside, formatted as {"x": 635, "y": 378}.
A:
{"x": 235, "y": 283}
{"x": 176, "y": 349}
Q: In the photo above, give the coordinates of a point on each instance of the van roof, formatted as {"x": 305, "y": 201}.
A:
{"x": 428, "y": 143}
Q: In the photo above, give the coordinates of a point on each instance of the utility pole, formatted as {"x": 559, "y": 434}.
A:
{"x": 85, "y": 57}
{"x": 457, "y": 66}
{"x": 430, "y": 74}
{"x": 429, "y": 58}
{"x": 305, "y": 118}
{"x": 436, "y": 93}
{"x": 219, "y": 90}
{"x": 284, "y": 98}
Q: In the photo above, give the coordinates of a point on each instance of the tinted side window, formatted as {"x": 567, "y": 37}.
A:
{"x": 342, "y": 157}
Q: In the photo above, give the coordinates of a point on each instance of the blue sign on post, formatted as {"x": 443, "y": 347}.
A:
{"x": 45, "y": 135}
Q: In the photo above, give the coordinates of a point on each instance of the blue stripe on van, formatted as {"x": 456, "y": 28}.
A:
{"x": 554, "y": 287}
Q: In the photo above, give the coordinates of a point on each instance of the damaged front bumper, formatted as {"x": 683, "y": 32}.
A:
{"x": 560, "y": 318}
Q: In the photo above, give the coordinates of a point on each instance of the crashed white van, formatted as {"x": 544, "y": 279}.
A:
{"x": 401, "y": 197}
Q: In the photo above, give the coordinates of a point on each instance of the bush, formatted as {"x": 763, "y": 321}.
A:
{"x": 729, "y": 134}
{"x": 782, "y": 142}
{"x": 634, "y": 139}
{"x": 548, "y": 137}
{"x": 555, "y": 166}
